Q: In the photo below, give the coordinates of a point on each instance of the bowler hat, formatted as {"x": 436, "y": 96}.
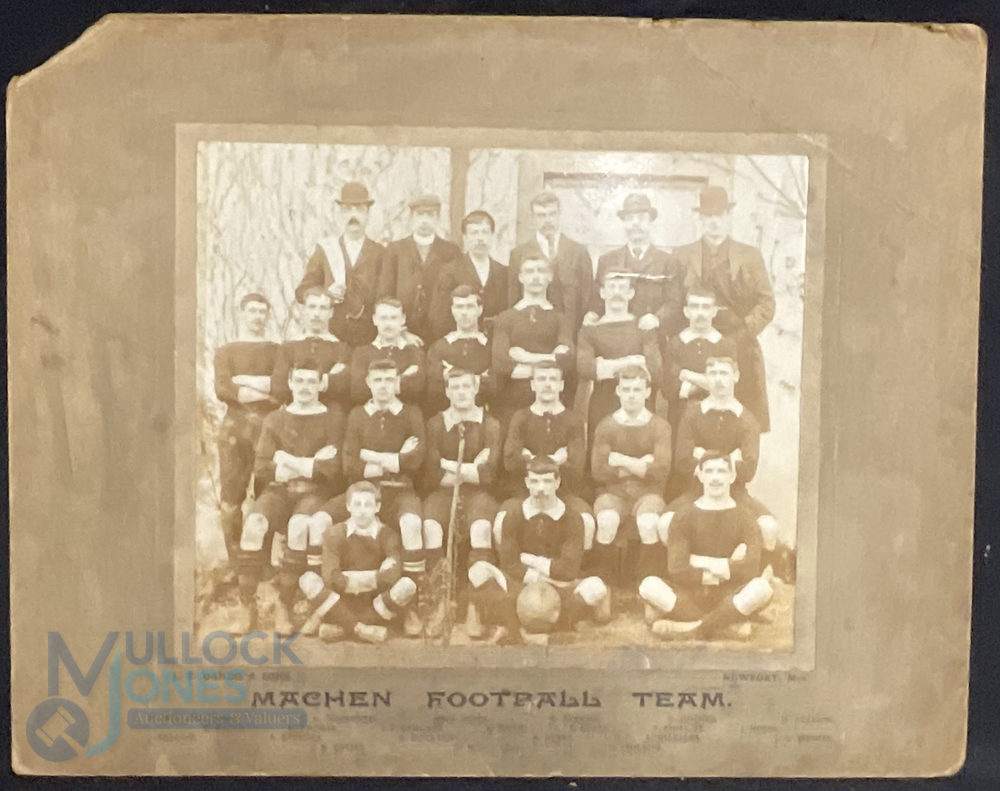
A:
{"x": 354, "y": 194}
{"x": 425, "y": 202}
{"x": 714, "y": 201}
{"x": 636, "y": 203}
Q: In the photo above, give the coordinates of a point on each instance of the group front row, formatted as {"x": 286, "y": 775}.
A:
{"x": 534, "y": 547}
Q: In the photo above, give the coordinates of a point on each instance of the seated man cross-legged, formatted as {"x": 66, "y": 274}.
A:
{"x": 538, "y": 584}
{"x": 361, "y": 591}
{"x": 712, "y": 581}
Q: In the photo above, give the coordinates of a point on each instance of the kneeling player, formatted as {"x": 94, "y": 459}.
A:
{"x": 463, "y": 457}
{"x": 361, "y": 591}
{"x": 540, "y": 546}
{"x": 713, "y": 573}
{"x": 297, "y": 460}
{"x": 630, "y": 461}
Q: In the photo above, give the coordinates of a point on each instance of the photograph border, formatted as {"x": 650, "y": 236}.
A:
{"x": 817, "y": 311}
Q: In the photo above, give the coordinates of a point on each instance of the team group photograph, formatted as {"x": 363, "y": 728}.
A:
{"x": 492, "y": 430}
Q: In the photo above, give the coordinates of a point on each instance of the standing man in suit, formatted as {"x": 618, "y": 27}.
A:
{"x": 735, "y": 273}
{"x": 476, "y": 269}
{"x": 657, "y": 278}
{"x": 411, "y": 266}
{"x": 572, "y": 270}
{"x": 348, "y": 267}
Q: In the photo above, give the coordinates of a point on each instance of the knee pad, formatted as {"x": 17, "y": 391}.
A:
{"x": 481, "y": 534}
{"x": 591, "y": 590}
{"x": 753, "y": 596}
{"x": 433, "y": 534}
{"x": 411, "y": 531}
{"x": 318, "y": 525}
{"x": 589, "y": 529}
{"x": 254, "y": 532}
{"x": 768, "y": 531}
{"x": 298, "y": 532}
{"x": 663, "y": 526}
{"x": 607, "y": 526}
{"x": 403, "y": 591}
{"x": 498, "y": 527}
{"x": 647, "y": 524}
{"x": 655, "y": 591}
{"x": 482, "y": 572}
{"x": 311, "y": 584}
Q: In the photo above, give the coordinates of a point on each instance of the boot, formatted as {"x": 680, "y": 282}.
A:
{"x": 676, "y": 630}
{"x": 432, "y": 601}
{"x": 602, "y": 610}
{"x": 283, "y": 617}
{"x": 370, "y": 634}
{"x": 331, "y": 632}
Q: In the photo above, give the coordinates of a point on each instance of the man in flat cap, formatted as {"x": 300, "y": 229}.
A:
{"x": 411, "y": 266}
{"x": 478, "y": 270}
{"x": 736, "y": 274}
{"x": 657, "y": 277}
{"x": 348, "y": 267}
{"x": 572, "y": 269}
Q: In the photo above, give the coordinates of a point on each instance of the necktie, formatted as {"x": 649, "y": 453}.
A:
{"x": 552, "y": 245}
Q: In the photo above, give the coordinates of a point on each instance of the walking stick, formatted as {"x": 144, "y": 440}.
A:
{"x": 449, "y": 591}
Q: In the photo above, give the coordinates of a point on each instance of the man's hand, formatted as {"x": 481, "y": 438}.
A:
{"x": 482, "y": 457}
{"x": 411, "y": 370}
{"x": 536, "y": 562}
{"x": 560, "y": 456}
{"x": 708, "y": 578}
{"x": 590, "y": 318}
{"x": 739, "y": 553}
{"x": 616, "y": 459}
{"x": 409, "y": 445}
{"x": 373, "y": 470}
{"x": 412, "y": 340}
{"x": 638, "y": 467}
{"x": 337, "y": 369}
{"x": 522, "y": 371}
{"x": 649, "y": 322}
{"x": 445, "y": 367}
{"x": 532, "y": 575}
{"x": 248, "y": 395}
{"x": 337, "y": 291}
{"x": 698, "y": 453}
{"x": 561, "y": 349}
{"x": 519, "y": 355}
{"x": 326, "y": 453}
{"x": 526, "y": 454}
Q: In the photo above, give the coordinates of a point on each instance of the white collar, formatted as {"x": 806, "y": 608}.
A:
{"x": 557, "y": 409}
{"x": 424, "y": 241}
{"x": 556, "y": 512}
{"x": 370, "y": 532}
{"x": 318, "y": 409}
{"x": 399, "y": 344}
{"x": 621, "y": 418}
{"x": 543, "y": 243}
{"x": 455, "y": 335}
{"x": 702, "y": 504}
{"x": 452, "y": 418}
{"x": 543, "y": 303}
{"x": 606, "y": 319}
{"x": 732, "y": 405}
{"x": 395, "y": 406}
{"x": 323, "y": 336}
{"x": 687, "y": 335}
{"x": 642, "y": 250}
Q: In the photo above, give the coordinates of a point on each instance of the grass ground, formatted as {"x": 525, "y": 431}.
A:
{"x": 772, "y": 628}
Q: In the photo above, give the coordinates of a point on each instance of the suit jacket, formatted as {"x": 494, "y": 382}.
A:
{"x": 659, "y": 287}
{"x": 413, "y": 281}
{"x": 573, "y": 277}
{"x": 352, "y": 318}
{"x": 748, "y": 296}
{"x": 462, "y": 272}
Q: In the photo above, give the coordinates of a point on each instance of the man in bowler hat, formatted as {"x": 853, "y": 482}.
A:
{"x": 410, "y": 266}
{"x": 657, "y": 278}
{"x": 736, "y": 274}
{"x": 348, "y": 267}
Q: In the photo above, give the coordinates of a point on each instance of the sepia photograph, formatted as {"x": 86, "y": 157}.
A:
{"x": 490, "y": 398}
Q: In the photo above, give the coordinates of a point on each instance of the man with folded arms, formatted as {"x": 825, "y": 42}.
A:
{"x": 361, "y": 591}
{"x": 243, "y": 383}
{"x": 712, "y": 582}
{"x": 297, "y": 462}
{"x": 393, "y": 344}
{"x": 465, "y": 347}
{"x": 540, "y": 545}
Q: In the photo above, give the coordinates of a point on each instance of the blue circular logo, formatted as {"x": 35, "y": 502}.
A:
{"x": 58, "y": 729}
